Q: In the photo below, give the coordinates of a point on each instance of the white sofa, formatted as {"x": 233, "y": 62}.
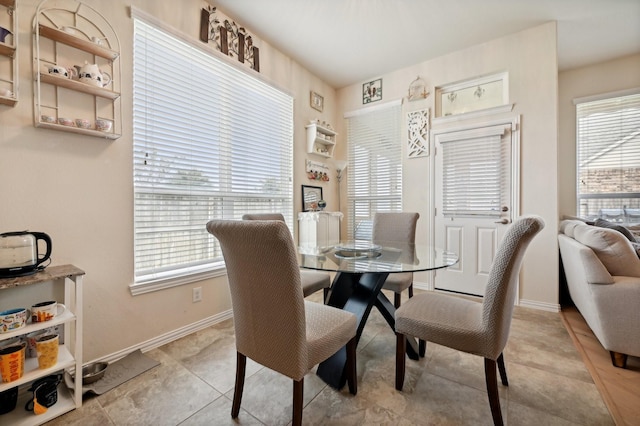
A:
{"x": 603, "y": 276}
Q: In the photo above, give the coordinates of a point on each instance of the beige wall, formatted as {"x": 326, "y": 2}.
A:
{"x": 530, "y": 59}
{"x": 79, "y": 189}
{"x": 605, "y": 77}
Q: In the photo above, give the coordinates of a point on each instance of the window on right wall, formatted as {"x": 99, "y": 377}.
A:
{"x": 608, "y": 158}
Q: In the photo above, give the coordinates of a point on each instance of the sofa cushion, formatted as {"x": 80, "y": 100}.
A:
{"x": 568, "y": 225}
{"x": 612, "y": 248}
{"x": 624, "y": 231}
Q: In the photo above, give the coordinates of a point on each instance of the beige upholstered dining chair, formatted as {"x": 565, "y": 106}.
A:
{"x": 274, "y": 325}
{"x": 469, "y": 326}
{"x": 401, "y": 228}
{"x": 312, "y": 281}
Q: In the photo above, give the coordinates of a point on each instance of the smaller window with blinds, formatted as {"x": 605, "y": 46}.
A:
{"x": 375, "y": 166}
{"x": 608, "y": 157}
{"x": 476, "y": 172}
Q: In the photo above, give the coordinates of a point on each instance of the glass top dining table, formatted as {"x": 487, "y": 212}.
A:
{"x": 361, "y": 269}
{"x": 381, "y": 257}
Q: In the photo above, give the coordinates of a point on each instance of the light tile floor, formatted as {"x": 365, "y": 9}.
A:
{"x": 548, "y": 385}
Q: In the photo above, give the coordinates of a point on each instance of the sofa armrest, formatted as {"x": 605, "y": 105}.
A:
{"x": 616, "y": 308}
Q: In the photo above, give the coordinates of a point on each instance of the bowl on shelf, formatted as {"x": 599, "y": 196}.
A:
{"x": 83, "y": 123}
{"x": 47, "y": 118}
{"x": 66, "y": 122}
{"x": 93, "y": 372}
{"x": 104, "y": 125}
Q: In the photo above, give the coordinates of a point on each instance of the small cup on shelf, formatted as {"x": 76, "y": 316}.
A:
{"x": 47, "y": 349}
{"x": 83, "y": 123}
{"x": 66, "y": 122}
{"x": 12, "y": 362}
{"x": 104, "y": 125}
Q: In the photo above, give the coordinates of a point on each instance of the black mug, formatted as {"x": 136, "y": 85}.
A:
{"x": 45, "y": 390}
{"x": 8, "y": 400}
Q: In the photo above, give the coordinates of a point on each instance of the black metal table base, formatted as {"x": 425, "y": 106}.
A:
{"x": 358, "y": 293}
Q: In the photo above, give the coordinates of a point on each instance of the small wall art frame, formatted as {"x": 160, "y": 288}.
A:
{"x": 317, "y": 101}
{"x": 310, "y": 197}
{"x": 372, "y": 91}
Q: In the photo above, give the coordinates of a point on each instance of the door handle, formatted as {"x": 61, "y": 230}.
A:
{"x": 503, "y": 221}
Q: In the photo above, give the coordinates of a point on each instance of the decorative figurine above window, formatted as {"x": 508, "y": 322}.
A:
{"x": 230, "y": 39}
{"x": 418, "y": 90}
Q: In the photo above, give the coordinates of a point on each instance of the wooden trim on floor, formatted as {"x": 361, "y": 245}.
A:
{"x": 569, "y": 318}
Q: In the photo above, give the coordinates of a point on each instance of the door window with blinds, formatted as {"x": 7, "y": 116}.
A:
{"x": 210, "y": 142}
{"x": 476, "y": 172}
{"x": 608, "y": 158}
{"x": 375, "y": 167}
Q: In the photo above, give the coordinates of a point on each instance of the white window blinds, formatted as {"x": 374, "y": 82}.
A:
{"x": 210, "y": 141}
{"x": 476, "y": 172}
{"x": 608, "y": 157}
{"x": 375, "y": 167}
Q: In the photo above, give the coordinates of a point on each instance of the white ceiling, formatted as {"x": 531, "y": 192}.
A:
{"x": 349, "y": 41}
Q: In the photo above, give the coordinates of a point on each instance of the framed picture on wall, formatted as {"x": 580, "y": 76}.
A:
{"x": 317, "y": 101}
{"x": 310, "y": 197}
{"x": 372, "y": 91}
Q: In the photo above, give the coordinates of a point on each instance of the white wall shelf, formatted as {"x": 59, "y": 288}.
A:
{"x": 321, "y": 141}
{"x": 68, "y": 33}
{"x": 8, "y": 52}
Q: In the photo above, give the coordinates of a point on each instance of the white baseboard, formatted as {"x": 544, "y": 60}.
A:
{"x": 169, "y": 337}
{"x": 543, "y": 306}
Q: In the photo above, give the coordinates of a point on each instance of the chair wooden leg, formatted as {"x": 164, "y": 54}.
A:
{"x": 298, "y": 394}
{"x": 401, "y": 349}
{"x": 618, "y": 359}
{"x": 396, "y": 300}
{"x": 503, "y": 370}
{"x": 422, "y": 348}
{"x": 411, "y": 291}
{"x": 241, "y": 362}
{"x": 492, "y": 390}
{"x": 352, "y": 374}
{"x": 325, "y": 293}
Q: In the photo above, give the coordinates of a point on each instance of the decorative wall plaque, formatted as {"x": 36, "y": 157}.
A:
{"x": 418, "y": 133}
{"x": 231, "y": 39}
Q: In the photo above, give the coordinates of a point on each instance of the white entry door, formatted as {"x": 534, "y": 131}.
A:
{"x": 474, "y": 199}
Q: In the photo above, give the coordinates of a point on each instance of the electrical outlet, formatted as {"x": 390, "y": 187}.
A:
{"x": 197, "y": 294}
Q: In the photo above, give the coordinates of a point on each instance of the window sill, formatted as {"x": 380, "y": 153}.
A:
{"x": 157, "y": 284}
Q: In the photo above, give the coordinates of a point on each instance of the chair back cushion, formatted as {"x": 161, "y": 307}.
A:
{"x": 266, "y": 294}
{"x": 263, "y": 216}
{"x": 395, "y": 227}
{"x": 501, "y": 287}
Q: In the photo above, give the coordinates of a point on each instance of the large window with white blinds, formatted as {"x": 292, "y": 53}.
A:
{"x": 209, "y": 141}
{"x": 608, "y": 158}
{"x": 375, "y": 167}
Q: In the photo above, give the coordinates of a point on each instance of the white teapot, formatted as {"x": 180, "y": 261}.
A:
{"x": 91, "y": 74}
